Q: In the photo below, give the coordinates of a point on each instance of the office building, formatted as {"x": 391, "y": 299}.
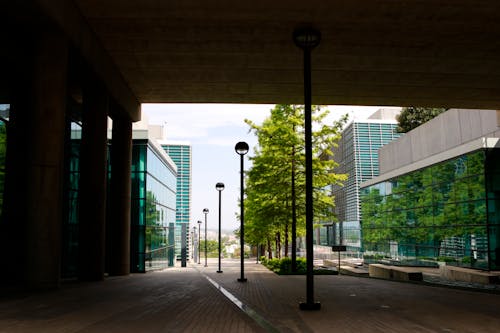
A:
{"x": 180, "y": 153}
{"x": 357, "y": 156}
{"x": 152, "y": 213}
{"x": 437, "y": 198}
{"x": 154, "y": 191}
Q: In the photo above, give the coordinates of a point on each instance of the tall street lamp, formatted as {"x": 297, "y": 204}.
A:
{"x": 307, "y": 38}
{"x": 241, "y": 149}
{"x": 205, "y": 211}
{"x": 219, "y": 187}
{"x": 193, "y": 243}
{"x": 199, "y": 244}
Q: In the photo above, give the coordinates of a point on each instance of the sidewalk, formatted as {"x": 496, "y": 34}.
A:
{"x": 353, "y": 304}
{"x": 197, "y": 299}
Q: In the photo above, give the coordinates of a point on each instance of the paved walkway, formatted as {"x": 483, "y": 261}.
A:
{"x": 197, "y": 299}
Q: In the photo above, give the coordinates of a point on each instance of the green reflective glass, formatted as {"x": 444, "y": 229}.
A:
{"x": 439, "y": 213}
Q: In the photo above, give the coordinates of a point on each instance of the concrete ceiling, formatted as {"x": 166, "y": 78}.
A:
{"x": 378, "y": 52}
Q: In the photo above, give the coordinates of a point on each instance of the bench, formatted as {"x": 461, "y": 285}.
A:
{"x": 469, "y": 275}
{"x": 397, "y": 273}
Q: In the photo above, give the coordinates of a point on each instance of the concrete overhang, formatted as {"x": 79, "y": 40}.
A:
{"x": 379, "y": 52}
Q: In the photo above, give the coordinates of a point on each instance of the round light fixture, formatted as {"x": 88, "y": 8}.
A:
{"x": 241, "y": 148}
{"x": 306, "y": 37}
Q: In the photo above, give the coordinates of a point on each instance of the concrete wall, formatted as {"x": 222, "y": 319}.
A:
{"x": 386, "y": 113}
{"x": 448, "y": 130}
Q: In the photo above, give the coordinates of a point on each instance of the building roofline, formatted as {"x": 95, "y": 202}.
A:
{"x": 480, "y": 143}
{"x": 174, "y": 143}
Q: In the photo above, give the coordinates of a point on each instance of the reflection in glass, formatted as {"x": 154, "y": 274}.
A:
{"x": 437, "y": 214}
{"x": 153, "y": 209}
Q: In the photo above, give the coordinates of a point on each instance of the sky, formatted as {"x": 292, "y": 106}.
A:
{"x": 213, "y": 130}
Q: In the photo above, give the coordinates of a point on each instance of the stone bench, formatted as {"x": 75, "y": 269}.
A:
{"x": 346, "y": 269}
{"x": 453, "y": 273}
{"x": 398, "y": 273}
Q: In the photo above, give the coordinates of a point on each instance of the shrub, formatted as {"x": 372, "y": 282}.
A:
{"x": 284, "y": 266}
{"x": 301, "y": 265}
{"x": 272, "y": 264}
{"x": 446, "y": 259}
{"x": 466, "y": 260}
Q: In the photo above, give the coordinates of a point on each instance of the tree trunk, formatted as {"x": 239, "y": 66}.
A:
{"x": 286, "y": 240}
{"x": 269, "y": 249}
{"x": 278, "y": 245}
{"x": 294, "y": 215}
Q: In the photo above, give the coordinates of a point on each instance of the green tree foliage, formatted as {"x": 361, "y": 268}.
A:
{"x": 156, "y": 232}
{"x": 412, "y": 117}
{"x": 268, "y": 186}
{"x": 212, "y": 248}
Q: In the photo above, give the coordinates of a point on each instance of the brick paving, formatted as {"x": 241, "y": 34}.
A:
{"x": 184, "y": 300}
{"x": 174, "y": 300}
{"x": 353, "y": 304}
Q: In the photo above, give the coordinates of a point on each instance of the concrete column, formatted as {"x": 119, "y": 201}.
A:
{"x": 118, "y": 245}
{"x": 93, "y": 178}
{"x": 35, "y": 153}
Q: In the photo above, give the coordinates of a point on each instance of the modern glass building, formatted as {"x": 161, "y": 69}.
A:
{"x": 154, "y": 181}
{"x": 446, "y": 212}
{"x": 180, "y": 152}
{"x": 357, "y": 156}
{"x": 444, "y": 205}
{"x": 69, "y": 255}
{"x": 153, "y": 193}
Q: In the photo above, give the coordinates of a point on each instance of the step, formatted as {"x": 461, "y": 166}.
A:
{"x": 398, "y": 273}
{"x": 454, "y": 273}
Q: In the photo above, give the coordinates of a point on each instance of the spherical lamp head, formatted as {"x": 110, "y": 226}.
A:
{"x": 241, "y": 148}
{"x": 306, "y": 37}
{"x": 219, "y": 186}
{"x": 205, "y": 210}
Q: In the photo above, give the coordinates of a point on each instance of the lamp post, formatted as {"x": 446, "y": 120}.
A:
{"x": 205, "y": 211}
{"x": 307, "y": 38}
{"x": 193, "y": 242}
{"x": 199, "y": 244}
{"x": 241, "y": 149}
{"x": 219, "y": 187}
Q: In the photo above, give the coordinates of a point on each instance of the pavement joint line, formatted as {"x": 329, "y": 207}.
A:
{"x": 245, "y": 308}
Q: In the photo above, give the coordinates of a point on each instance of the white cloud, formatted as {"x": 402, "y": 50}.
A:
{"x": 195, "y": 121}
{"x": 219, "y": 124}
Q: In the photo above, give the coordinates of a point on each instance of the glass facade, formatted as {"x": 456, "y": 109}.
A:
{"x": 448, "y": 212}
{"x": 152, "y": 209}
{"x": 357, "y": 156}
{"x": 71, "y": 186}
{"x": 181, "y": 155}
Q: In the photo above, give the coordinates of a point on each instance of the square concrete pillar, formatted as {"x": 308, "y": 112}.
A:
{"x": 35, "y": 154}
{"x": 93, "y": 179}
{"x": 118, "y": 239}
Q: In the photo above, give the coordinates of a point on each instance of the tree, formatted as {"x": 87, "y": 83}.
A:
{"x": 279, "y": 157}
{"x": 412, "y": 117}
{"x": 212, "y": 248}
